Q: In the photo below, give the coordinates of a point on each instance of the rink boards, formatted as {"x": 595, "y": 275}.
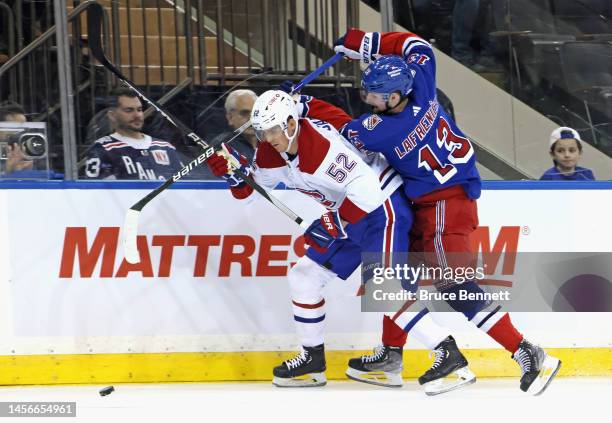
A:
{"x": 209, "y": 301}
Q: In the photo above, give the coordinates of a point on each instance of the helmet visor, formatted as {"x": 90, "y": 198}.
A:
{"x": 270, "y": 133}
{"x": 365, "y": 94}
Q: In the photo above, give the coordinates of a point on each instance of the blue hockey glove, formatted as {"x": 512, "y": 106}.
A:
{"x": 322, "y": 233}
{"x": 286, "y": 86}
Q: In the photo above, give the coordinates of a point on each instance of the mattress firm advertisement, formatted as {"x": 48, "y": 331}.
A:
{"x": 212, "y": 275}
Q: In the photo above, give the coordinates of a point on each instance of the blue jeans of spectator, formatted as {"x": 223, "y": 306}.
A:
{"x": 465, "y": 14}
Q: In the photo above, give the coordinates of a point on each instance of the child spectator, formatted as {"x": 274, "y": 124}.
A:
{"x": 565, "y": 150}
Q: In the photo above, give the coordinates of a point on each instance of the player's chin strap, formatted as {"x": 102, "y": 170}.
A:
{"x": 292, "y": 137}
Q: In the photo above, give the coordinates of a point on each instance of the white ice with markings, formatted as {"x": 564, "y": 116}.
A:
{"x": 574, "y": 400}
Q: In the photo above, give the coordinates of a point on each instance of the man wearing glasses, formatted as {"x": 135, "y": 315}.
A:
{"x": 238, "y": 106}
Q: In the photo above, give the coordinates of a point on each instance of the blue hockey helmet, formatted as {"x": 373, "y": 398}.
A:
{"x": 386, "y": 75}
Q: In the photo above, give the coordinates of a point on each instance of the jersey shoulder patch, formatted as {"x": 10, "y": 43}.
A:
{"x": 356, "y": 130}
{"x": 370, "y": 122}
{"x": 312, "y": 147}
{"x": 266, "y": 157}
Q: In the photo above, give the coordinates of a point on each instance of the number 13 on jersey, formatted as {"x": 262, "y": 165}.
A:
{"x": 459, "y": 149}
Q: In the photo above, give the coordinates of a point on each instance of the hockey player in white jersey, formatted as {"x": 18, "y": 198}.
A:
{"x": 367, "y": 211}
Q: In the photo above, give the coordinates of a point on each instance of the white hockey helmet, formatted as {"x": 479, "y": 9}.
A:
{"x": 271, "y": 111}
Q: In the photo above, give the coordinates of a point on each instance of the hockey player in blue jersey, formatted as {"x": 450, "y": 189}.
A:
{"x": 438, "y": 166}
{"x": 128, "y": 153}
{"x": 367, "y": 211}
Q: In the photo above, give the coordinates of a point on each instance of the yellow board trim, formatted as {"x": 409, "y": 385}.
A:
{"x": 255, "y": 366}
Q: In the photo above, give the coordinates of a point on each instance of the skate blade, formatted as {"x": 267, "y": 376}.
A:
{"x": 462, "y": 377}
{"x": 550, "y": 367}
{"x": 309, "y": 380}
{"x": 380, "y": 378}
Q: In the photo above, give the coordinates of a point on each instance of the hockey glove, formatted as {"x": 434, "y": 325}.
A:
{"x": 286, "y": 86}
{"x": 301, "y": 104}
{"x": 350, "y": 43}
{"x": 322, "y": 233}
{"x": 225, "y": 161}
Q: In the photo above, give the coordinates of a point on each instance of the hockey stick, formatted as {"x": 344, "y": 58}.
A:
{"x": 94, "y": 23}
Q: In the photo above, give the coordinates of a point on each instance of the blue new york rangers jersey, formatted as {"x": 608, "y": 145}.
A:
{"x": 421, "y": 142}
{"x": 120, "y": 157}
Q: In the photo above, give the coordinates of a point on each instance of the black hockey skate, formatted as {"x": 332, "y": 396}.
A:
{"x": 383, "y": 368}
{"x": 448, "y": 360}
{"x": 304, "y": 370}
{"x": 538, "y": 368}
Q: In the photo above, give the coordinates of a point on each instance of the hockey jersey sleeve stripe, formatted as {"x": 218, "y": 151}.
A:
{"x": 400, "y": 43}
{"x": 117, "y": 142}
{"x": 393, "y": 175}
{"x": 163, "y": 144}
{"x": 384, "y": 173}
{"x": 110, "y": 147}
{"x": 350, "y": 212}
{"x": 413, "y": 42}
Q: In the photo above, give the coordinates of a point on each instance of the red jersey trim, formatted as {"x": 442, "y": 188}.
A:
{"x": 351, "y": 212}
{"x": 322, "y": 110}
{"x": 312, "y": 147}
{"x": 267, "y": 157}
{"x": 393, "y": 42}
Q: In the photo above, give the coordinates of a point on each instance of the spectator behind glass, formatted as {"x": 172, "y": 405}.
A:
{"x": 470, "y": 21}
{"x": 15, "y": 160}
{"x": 565, "y": 150}
{"x": 238, "y": 106}
{"x": 128, "y": 153}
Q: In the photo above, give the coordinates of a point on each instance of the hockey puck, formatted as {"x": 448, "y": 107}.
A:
{"x": 106, "y": 391}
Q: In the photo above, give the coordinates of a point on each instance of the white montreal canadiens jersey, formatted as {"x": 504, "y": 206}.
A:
{"x": 326, "y": 168}
{"x": 389, "y": 178}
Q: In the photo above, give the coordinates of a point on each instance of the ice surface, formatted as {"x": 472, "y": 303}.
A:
{"x": 489, "y": 400}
